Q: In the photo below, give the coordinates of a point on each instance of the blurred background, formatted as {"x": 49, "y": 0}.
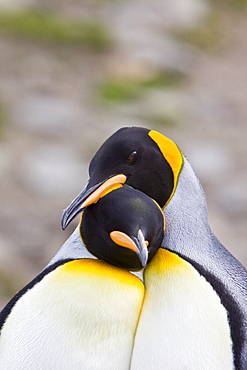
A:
{"x": 73, "y": 72}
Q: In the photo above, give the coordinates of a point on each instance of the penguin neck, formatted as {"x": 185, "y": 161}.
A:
{"x": 188, "y": 234}
{"x": 186, "y": 216}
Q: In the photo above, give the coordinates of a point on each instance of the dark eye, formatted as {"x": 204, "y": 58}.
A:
{"x": 131, "y": 159}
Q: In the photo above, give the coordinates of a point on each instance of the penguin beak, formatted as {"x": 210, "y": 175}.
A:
{"x": 90, "y": 196}
{"x": 137, "y": 244}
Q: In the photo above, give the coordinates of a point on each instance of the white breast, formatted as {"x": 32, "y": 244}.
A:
{"x": 183, "y": 325}
{"x": 83, "y": 315}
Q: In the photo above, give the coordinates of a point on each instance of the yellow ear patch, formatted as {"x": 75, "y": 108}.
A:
{"x": 171, "y": 153}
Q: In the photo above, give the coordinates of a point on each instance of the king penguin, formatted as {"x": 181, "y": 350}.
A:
{"x": 82, "y": 313}
{"x": 190, "y": 312}
{"x": 194, "y": 313}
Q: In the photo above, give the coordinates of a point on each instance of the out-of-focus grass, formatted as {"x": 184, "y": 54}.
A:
{"x": 52, "y": 28}
{"x": 206, "y": 36}
{"x": 119, "y": 90}
{"x": 164, "y": 120}
{"x": 241, "y": 4}
{"x": 169, "y": 78}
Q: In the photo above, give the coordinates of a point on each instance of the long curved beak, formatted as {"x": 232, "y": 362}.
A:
{"x": 90, "y": 196}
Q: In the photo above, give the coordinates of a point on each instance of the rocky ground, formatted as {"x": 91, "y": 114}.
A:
{"x": 175, "y": 66}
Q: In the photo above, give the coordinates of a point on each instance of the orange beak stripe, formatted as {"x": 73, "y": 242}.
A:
{"x": 103, "y": 189}
{"x": 123, "y": 240}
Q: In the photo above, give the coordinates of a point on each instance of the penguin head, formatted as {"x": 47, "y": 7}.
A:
{"x": 133, "y": 153}
{"x": 124, "y": 228}
{"x": 143, "y": 159}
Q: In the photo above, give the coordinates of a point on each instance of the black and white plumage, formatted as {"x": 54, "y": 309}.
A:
{"x": 191, "y": 309}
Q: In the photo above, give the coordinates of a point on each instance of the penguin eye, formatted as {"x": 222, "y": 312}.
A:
{"x": 131, "y": 159}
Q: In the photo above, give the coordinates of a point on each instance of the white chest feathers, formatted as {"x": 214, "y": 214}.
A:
{"x": 88, "y": 315}
{"x": 183, "y": 325}
{"x": 83, "y": 315}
